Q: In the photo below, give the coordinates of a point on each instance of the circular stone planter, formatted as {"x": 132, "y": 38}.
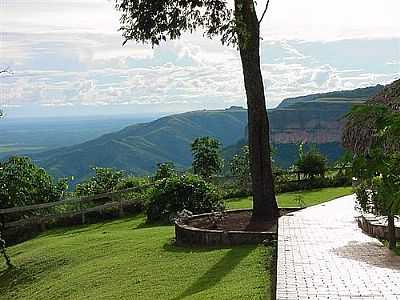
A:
{"x": 193, "y": 232}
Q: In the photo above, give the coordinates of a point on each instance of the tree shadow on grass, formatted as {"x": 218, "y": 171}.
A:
{"x": 217, "y": 272}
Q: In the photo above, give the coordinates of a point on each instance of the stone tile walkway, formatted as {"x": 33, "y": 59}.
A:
{"x": 322, "y": 254}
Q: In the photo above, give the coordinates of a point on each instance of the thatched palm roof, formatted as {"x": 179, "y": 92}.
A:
{"x": 360, "y": 131}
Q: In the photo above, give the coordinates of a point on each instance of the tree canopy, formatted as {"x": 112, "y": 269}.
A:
{"x": 156, "y": 21}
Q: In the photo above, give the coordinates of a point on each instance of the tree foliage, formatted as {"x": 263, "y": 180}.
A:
{"x": 311, "y": 163}
{"x": 174, "y": 194}
{"x": 207, "y": 159}
{"x": 23, "y": 183}
{"x": 240, "y": 168}
{"x": 105, "y": 180}
{"x": 378, "y": 167}
{"x": 156, "y": 21}
{"x": 165, "y": 170}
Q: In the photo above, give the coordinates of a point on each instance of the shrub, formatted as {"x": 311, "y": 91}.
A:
{"x": 174, "y": 194}
{"x": 311, "y": 163}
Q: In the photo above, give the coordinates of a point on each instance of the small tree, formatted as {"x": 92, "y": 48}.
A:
{"x": 240, "y": 168}
{"x": 105, "y": 180}
{"x": 207, "y": 160}
{"x": 311, "y": 163}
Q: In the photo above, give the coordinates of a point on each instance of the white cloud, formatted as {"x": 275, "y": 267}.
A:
{"x": 68, "y": 53}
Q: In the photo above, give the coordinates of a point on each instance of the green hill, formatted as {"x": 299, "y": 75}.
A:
{"x": 138, "y": 148}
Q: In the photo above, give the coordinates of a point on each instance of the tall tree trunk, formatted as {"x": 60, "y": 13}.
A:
{"x": 391, "y": 232}
{"x": 248, "y": 31}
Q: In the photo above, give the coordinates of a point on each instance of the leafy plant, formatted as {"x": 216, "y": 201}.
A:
{"x": 174, "y": 194}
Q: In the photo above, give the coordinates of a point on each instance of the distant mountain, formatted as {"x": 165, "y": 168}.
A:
{"x": 138, "y": 148}
{"x": 360, "y": 94}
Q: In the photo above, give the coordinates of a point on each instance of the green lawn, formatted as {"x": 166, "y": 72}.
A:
{"x": 128, "y": 259}
{"x": 311, "y": 197}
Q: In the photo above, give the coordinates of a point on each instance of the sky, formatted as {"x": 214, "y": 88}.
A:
{"x": 67, "y": 58}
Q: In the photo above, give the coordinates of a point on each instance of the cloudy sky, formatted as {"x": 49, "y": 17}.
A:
{"x": 67, "y": 58}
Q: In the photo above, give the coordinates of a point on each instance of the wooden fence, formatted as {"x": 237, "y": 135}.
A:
{"x": 77, "y": 206}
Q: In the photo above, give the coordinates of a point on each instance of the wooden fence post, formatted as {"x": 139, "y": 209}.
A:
{"x": 82, "y": 213}
{"x": 121, "y": 208}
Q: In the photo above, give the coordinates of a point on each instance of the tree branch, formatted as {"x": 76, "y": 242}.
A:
{"x": 265, "y": 11}
{"x": 7, "y": 70}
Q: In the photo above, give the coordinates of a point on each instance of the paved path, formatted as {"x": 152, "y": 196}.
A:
{"x": 322, "y": 254}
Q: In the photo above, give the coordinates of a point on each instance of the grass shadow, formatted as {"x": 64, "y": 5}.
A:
{"x": 172, "y": 247}
{"x": 81, "y": 228}
{"x": 12, "y": 277}
{"x": 217, "y": 272}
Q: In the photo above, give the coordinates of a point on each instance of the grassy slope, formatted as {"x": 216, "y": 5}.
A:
{"x": 127, "y": 259}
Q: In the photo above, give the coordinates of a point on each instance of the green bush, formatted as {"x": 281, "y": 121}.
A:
{"x": 311, "y": 163}
{"x": 105, "y": 180}
{"x": 174, "y": 194}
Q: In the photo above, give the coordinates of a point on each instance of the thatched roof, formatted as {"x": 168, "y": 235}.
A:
{"x": 360, "y": 131}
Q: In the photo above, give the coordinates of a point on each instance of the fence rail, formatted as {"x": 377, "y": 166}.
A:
{"x": 116, "y": 200}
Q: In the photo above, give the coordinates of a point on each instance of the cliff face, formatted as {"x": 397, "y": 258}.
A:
{"x": 317, "y": 119}
{"x": 311, "y": 123}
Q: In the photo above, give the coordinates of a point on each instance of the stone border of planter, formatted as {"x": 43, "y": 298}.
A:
{"x": 187, "y": 235}
{"x": 375, "y": 226}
